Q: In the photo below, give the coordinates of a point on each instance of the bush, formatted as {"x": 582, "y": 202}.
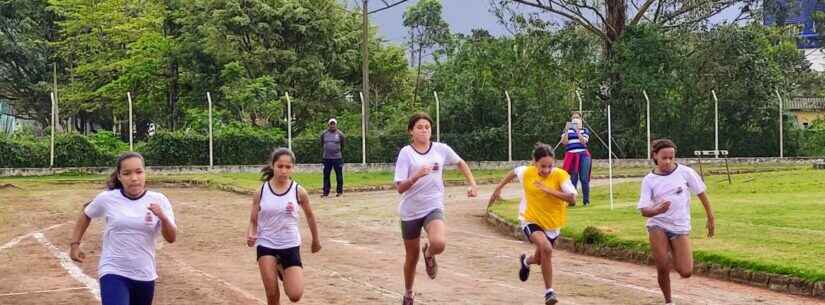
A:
{"x": 17, "y": 152}
{"x": 75, "y": 150}
{"x": 233, "y": 145}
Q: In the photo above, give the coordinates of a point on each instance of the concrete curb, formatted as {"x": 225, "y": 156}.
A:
{"x": 775, "y": 282}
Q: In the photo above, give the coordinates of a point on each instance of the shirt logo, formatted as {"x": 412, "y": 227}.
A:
{"x": 290, "y": 207}
{"x": 679, "y": 190}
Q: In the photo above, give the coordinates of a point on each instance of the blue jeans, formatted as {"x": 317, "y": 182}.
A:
{"x": 583, "y": 173}
{"x": 118, "y": 290}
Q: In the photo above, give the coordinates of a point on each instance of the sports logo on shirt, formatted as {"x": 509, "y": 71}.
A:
{"x": 290, "y": 207}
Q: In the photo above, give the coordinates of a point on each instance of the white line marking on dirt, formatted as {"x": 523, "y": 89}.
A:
{"x": 41, "y": 291}
{"x": 17, "y": 240}
{"x": 242, "y": 292}
{"x": 70, "y": 267}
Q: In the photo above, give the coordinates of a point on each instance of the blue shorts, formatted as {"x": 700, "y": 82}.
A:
{"x": 119, "y": 290}
{"x": 671, "y": 235}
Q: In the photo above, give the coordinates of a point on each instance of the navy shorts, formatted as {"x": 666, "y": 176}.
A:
{"x": 119, "y": 290}
{"x": 288, "y": 257}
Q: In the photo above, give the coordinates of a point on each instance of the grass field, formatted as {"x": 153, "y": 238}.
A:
{"x": 769, "y": 222}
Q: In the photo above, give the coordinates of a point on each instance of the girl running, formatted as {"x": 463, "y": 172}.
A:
{"x": 418, "y": 177}
{"x": 577, "y": 158}
{"x": 134, "y": 218}
{"x": 273, "y": 228}
{"x": 547, "y": 192}
{"x": 665, "y": 201}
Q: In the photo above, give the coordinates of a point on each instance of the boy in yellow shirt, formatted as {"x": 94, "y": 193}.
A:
{"x": 543, "y": 211}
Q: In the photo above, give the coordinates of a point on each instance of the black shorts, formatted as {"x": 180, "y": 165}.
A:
{"x": 529, "y": 228}
{"x": 288, "y": 257}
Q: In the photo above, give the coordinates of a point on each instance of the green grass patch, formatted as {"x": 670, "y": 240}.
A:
{"x": 252, "y": 181}
{"x": 770, "y": 222}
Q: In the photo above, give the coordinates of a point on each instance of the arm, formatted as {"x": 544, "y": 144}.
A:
{"x": 583, "y": 137}
{"x": 497, "y": 192}
{"x": 80, "y": 227}
{"x": 343, "y": 139}
{"x": 564, "y": 138}
{"x": 468, "y": 175}
{"x": 655, "y": 210}
{"x": 167, "y": 227}
{"x": 252, "y": 230}
{"x": 405, "y": 185}
{"x": 709, "y": 212}
{"x": 568, "y": 197}
{"x": 310, "y": 215}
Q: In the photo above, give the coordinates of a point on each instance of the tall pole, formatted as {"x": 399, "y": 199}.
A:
{"x": 781, "y": 127}
{"x": 211, "y": 160}
{"x": 56, "y": 106}
{"x": 365, "y": 67}
{"x": 51, "y": 144}
{"x": 716, "y": 124}
{"x": 648, "y": 123}
{"x": 610, "y": 153}
{"x": 437, "y": 118}
{"x": 579, "y": 96}
{"x": 509, "y": 127}
{"x": 129, "y": 97}
{"x": 363, "y": 132}
{"x": 288, "y": 120}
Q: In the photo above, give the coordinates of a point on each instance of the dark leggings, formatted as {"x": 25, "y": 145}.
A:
{"x": 118, "y": 290}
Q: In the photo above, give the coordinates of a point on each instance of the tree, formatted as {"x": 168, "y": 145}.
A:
{"x": 26, "y": 29}
{"x": 426, "y": 29}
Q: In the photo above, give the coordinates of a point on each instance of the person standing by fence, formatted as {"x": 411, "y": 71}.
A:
{"x": 577, "y": 158}
{"x": 332, "y": 140}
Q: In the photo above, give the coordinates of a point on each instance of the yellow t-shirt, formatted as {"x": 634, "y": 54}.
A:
{"x": 549, "y": 212}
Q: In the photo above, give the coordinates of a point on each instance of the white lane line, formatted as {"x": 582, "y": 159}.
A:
{"x": 41, "y": 291}
{"x": 17, "y": 240}
{"x": 67, "y": 264}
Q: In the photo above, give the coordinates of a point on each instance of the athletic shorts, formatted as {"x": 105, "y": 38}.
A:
{"x": 671, "y": 235}
{"x": 288, "y": 257}
{"x": 529, "y": 228}
{"x": 411, "y": 229}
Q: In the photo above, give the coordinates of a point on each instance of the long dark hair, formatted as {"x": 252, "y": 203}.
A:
{"x": 268, "y": 171}
{"x": 541, "y": 150}
{"x": 659, "y": 144}
{"x": 113, "y": 183}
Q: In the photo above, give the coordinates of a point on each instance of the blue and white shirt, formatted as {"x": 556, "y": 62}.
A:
{"x": 574, "y": 144}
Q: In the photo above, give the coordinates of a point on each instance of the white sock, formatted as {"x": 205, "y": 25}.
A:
{"x": 549, "y": 290}
{"x": 525, "y": 261}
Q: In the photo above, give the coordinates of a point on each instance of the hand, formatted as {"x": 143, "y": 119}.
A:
{"x": 251, "y": 239}
{"x": 540, "y": 185}
{"x": 663, "y": 207}
{"x": 316, "y": 246}
{"x": 472, "y": 191}
{"x": 155, "y": 208}
{"x": 711, "y": 225}
{"x": 76, "y": 254}
{"x": 425, "y": 170}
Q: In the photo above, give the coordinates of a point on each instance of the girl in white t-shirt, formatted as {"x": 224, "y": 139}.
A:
{"x": 273, "y": 228}
{"x": 134, "y": 218}
{"x": 419, "y": 178}
{"x": 665, "y": 201}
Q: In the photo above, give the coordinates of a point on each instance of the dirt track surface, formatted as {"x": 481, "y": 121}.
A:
{"x": 361, "y": 260}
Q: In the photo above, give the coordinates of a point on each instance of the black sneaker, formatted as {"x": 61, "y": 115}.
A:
{"x": 550, "y": 298}
{"x": 524, "y": 272}
{"x": 407, "y": 300}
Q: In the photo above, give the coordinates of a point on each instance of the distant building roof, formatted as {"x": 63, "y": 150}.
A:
{"x": 806, "y": 103}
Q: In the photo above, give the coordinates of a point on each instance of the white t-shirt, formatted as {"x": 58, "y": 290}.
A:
{"x": 278, "y": 218}
{"x": 675, "y": 187}
{"x": 427, "y": 194}
{"x": 129, "y": 234}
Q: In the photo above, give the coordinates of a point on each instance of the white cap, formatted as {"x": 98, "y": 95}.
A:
{"x": 332, "y": 120}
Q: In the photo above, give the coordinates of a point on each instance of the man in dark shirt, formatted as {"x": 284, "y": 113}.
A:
{"x": 332, "y": 140}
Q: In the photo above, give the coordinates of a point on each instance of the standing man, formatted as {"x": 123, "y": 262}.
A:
{"x": 332, "y": 140}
